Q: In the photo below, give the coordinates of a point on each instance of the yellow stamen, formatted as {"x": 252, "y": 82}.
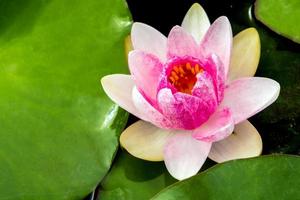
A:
{"x": 176, "y": 69}
{"x": 188, "y": 66}
{"x": 172, "y": 79}
{"x": 197, "y": 69}
{"x": 181, "y": 70}
{"x": 183, "y": 76}
{"x": 193, "y": 70}
{"x": 176, "y": 77}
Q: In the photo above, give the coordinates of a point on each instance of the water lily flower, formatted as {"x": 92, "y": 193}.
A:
{"x": 190, "y": 90}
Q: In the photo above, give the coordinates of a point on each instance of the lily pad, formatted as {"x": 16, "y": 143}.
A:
{"x": 268, "y": 177}
{"x": 58, "y": 130}
{"x": 131, "y": 178}
{"x": 282, "y": 16}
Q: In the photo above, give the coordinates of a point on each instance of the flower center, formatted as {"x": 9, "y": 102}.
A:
{"x": 182, "y": 75}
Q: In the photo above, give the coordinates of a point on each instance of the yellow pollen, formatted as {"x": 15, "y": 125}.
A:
{"x": 188, "y": 66}
{"x": 181, "y": 70}
{"x": 176, "y": 77}
{"x": 193, "y": 71}
{"x": 176, "y": 69}
{"x": 172, "y": 79}
{"x": 183, "y": 76}
{"x": 197, "y": 69}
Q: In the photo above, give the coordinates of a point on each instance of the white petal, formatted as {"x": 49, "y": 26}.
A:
{"x": 118, "y": 88}
{"x": 245, "y": 142}
{"x": 196, "y": 22}
{"x": 184, "y": 155}
{"x": 247, "y": 96}
{"x": 146, "y": 109}
{"x": 245, "y": 54}
{"x": 145, "y": 141}
{"x": 148, "y": 39}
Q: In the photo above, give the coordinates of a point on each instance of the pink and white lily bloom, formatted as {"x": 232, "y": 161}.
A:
{"x": 190, "y": 90}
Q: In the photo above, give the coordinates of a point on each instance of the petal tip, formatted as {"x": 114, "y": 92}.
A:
{"x": 136, "y": 25}
{"x": 108, "y": 79}
{"x": 184, "y": 156}
{"x": 105, "y": 80}
{"x": 225, "y": 21}
{"x": 250, "y": 32}
{"x": 196, "y": 7}
{"x": 223, "y": 18}
{"x": 175, "y": 28}
{"x": 252, "y": 29}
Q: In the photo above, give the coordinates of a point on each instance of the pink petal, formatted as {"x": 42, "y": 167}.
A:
{"x": 184, "y": 156}
{"x": 186, "y": 111}
{"x": 145, "y": 109}
{"x": 181, "y": 44}
{"x": 118, "y": 88}
{"x": 219, "y": 126}
{"x": 150, "y": 40}
{"x": 218, "y": 40}
{"x": 216, "y": 69}
{"x": 146, "y": 70}
{"x": 247, "y": 96}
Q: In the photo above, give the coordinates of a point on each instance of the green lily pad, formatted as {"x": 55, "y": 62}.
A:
{"x": 131, "y": 178}
{"x": 282, "y": 16}
{"x": 58, "y": 130}
{"x": 268, "y": 177}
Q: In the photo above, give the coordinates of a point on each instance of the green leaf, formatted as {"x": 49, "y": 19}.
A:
{"x": 58, "y": 130}
{"x": 132, "y": 178}
{"x": 268, "y": 177}
{"x": 282, "y": 16}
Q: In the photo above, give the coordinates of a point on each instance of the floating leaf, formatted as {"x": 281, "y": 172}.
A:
{"x": 268, "y": 177}
{"x": 58, "y": 130}
{"x": 132, "y": 178}
{"x": 282, "y": 16}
